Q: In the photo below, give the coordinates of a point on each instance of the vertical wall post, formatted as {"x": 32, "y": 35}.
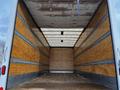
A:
{"x": 7, "y": 23}
{"x": 114, "y": 12}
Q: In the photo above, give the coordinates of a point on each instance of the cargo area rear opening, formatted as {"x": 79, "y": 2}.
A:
{"x": 59, "y": 45}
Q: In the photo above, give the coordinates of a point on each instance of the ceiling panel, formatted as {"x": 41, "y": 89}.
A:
{"x": 62, "y": 13}
{"x": 55, "y": 17}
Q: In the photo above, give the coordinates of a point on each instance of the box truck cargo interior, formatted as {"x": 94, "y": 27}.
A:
{"x": 62, "y": 45}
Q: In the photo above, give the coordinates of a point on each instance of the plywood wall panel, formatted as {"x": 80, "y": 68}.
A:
{"x": 96, "y": 52}
{"x": 102, "y": 51}
{"x": 24, "y": 13}
{"x": 61, "y": 59}
{"x": 19, "y": 69}
{"x": 27, "y": 51}
{"x": 102, "y": 11}
{"x": 23, "y": 30}
{"x": 99, "y": 14}
{"x": 44, "y": 50}
{"x": 99, "y": 32}
{"x": 23, "y": 50}
{"x": 44, "y": 59}
{"x": 106, "y": 70}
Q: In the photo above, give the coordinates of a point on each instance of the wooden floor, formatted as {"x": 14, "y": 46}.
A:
{"x": 60, "y": 82}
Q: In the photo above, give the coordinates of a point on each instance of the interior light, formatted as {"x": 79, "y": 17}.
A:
{"x": 62, "y": 32}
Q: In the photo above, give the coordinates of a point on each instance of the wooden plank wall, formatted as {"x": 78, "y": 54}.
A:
{"x": 61, "y": 59}
{"x": 93, "y": 52}
{"x": 29, "y": 55}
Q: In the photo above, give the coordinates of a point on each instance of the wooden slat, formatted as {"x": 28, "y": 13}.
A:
{"x": 24, "y": 51}
{"x": 102, "y": 29}
{"x": 22, "y": 29}
{"x": 19, "y": 69}
{"x": 107, "y": 70}
{"x": 99, "y": 14}
{"x": 102, "y": 51}
{"x": 61, "y": 59}
{"x": 44, "y": 59}
{"x": 25, "y": 15}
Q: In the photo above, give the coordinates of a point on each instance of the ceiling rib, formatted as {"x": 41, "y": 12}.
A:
{"x": 61, "y": 36}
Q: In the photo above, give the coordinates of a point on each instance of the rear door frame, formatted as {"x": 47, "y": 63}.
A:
{"x": 8, "y": 10}
{"x": 115, "y": 31}
{"x": 114, "y": 17}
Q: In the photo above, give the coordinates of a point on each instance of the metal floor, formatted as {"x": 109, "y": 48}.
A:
{"x": 60, "y": 82}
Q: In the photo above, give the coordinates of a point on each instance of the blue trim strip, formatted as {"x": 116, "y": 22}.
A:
{"x": 23, "y": 20}
{"x": 95, "y": 28}
{"x": 29, "y": 42}
{"x": 97, "y": 63}
{"x": 13, "y": 81}
{"x": 94, "y": 44}
{"x": 20, "y": 61}
{"x": 25, "y": 39}
{"x": 106, "y": 81}
{"x": 25, "y": 23}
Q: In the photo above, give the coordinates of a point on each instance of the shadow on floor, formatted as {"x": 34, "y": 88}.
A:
{"x": 60, "y": 82}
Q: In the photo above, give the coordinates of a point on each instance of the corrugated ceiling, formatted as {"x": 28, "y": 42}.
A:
{"x": 62, "y": 37}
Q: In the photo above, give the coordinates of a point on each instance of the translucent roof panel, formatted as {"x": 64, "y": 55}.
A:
{"x": 62, "y": 37}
